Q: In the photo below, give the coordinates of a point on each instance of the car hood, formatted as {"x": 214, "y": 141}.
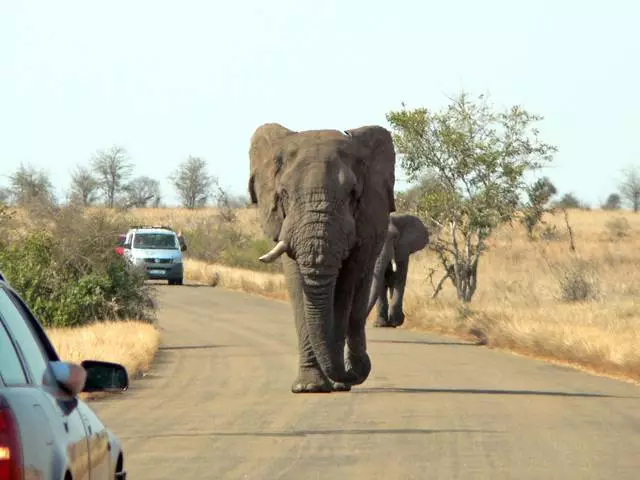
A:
{"x": 155, "y": 253}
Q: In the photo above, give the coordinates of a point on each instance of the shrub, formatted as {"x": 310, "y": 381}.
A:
{"x": 618, "y": 227}
{"x": 578, "y": 281}
{"x": 551, "y": 233}
{"x": 68, "y": 273}
{"x": 216, "y": 240}
{"x": 245, "y": 254}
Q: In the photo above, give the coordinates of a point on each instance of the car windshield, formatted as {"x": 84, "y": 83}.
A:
{"x": 165, "y": 241}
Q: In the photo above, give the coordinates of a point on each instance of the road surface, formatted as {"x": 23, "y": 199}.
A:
{"x": 217, "y": 405}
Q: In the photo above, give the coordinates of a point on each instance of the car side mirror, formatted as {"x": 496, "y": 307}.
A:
{"x": 126, "y": 246}
{"x": 183, "y": 247}
{"x": 105, "y": 377}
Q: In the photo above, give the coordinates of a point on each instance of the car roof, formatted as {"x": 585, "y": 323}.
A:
{"x": 152, "y": 230}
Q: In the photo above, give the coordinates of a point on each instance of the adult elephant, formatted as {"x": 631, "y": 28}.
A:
{"x": 406, "y": 235}
{"x": 325, "y": 197}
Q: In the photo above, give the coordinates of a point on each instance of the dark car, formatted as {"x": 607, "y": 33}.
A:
{"x": 46, "y": 430}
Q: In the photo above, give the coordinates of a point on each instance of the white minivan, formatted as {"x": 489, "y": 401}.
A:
{"x": 158, "y": 251}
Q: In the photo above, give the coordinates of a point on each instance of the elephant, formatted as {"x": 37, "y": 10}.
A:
{"x": 406, "y": 235}
{"x": 324, "y": 197}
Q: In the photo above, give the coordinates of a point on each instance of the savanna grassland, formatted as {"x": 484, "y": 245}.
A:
{"x": 535, "y": 296}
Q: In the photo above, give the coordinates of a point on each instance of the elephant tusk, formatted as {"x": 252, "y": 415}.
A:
{"x": 275, "y": 252}
{"x": 394, "y": 267}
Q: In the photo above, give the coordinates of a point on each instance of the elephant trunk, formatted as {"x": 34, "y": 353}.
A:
{"x": 319, "y": 292}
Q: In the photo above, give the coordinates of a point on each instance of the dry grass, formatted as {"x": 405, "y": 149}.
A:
{"x": 132, "y": 344}
{"x": 184, "y": 219}
{"x": 265, "y": 284}
{"x": 519, "y": 303}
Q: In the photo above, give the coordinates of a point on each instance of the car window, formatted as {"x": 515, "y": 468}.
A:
{"x": 156, "y": 241}
{"x": 11, "y": 369}
{"x": 32, "y": 351}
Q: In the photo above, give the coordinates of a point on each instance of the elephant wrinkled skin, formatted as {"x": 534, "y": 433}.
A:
{"x": 325, "y": 197}
{"x": 406, "y": 235}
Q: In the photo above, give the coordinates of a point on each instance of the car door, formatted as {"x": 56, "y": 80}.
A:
{"x": 99, "y": 444}
{"x": 35, "y": 432}
{"x": 65, "y": 419}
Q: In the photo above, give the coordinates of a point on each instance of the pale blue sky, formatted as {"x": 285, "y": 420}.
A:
{"x": 171, "y": 79}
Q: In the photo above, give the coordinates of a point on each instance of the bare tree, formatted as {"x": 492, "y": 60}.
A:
{"x": 143, "y": 192}
{"x": 112, "y": 168}
{"x": 27, "y": 184}
{"x": 192, "y": 182}
{"x": 84, "y": 186}
{"x": 630, "y": 187}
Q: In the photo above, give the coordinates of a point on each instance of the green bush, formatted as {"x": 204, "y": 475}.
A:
{"x": 69, "y": 274}
{"x": 215, "y": 240}
{"x": 245, "y": 254}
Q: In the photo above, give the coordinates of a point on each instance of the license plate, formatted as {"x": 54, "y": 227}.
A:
{"x": 156, "y": 272}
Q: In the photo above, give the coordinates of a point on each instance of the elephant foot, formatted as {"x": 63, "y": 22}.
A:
{"x": 396, "y": 320}
{"x": 382, "y": 323}
{"x": 341, "y": 387}
{"x": 359, "y": 366}
{"x": 311, "y": 380}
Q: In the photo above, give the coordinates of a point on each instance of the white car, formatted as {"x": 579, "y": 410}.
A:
{"x": 46, "y": 431}
{"x": 157, "y": 250}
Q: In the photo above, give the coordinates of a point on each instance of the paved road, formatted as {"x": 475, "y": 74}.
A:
{"x": 217, "y": 405}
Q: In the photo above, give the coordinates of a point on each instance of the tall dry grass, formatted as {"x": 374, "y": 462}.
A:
{"x": 133, "y": 344}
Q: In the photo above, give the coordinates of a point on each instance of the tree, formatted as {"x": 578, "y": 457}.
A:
{"x": 613, "y": 202}
{"x": 112, "y": 168}
{"x": 409, "y": 200}
{"x": 630, "y": 187}
{"x": 84, "y": 186}
{"x": 4, "y": 195}
{"x": 142, "y": 192}
{"x": 192, "y": 182}
{"x": 538, "y": 196}
{"x": 28, "y": 184}
{"x": 481, "y": 157}
{"x": 569, "y": 200}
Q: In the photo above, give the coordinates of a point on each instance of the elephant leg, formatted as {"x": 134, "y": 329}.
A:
{"x": 357, "y": 358}
{"x": 310, "y": 378}
{"x": 382, "y": 302}
{"x": 345, "y": 288}
{"x": 396, "y": 314}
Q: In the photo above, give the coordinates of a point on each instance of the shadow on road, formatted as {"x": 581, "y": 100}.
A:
{"x": 470, "y": 391}
{"x": 425, "y": 342}
{"x": 307, "y": 433}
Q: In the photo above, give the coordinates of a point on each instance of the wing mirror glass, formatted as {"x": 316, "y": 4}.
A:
{"x": 105, "y": 377}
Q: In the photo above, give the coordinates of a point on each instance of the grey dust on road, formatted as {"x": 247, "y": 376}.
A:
{"x": 217, "y": 405}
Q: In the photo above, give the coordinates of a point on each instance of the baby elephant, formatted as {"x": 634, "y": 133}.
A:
{"x": 406, "y": 234}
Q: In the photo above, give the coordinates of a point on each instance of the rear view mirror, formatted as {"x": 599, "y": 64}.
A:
{"x": 105, "y": 377}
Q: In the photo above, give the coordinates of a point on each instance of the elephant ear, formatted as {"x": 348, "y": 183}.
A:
{"x": 266, "y": 164}
{"x": 376, "y": 171}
